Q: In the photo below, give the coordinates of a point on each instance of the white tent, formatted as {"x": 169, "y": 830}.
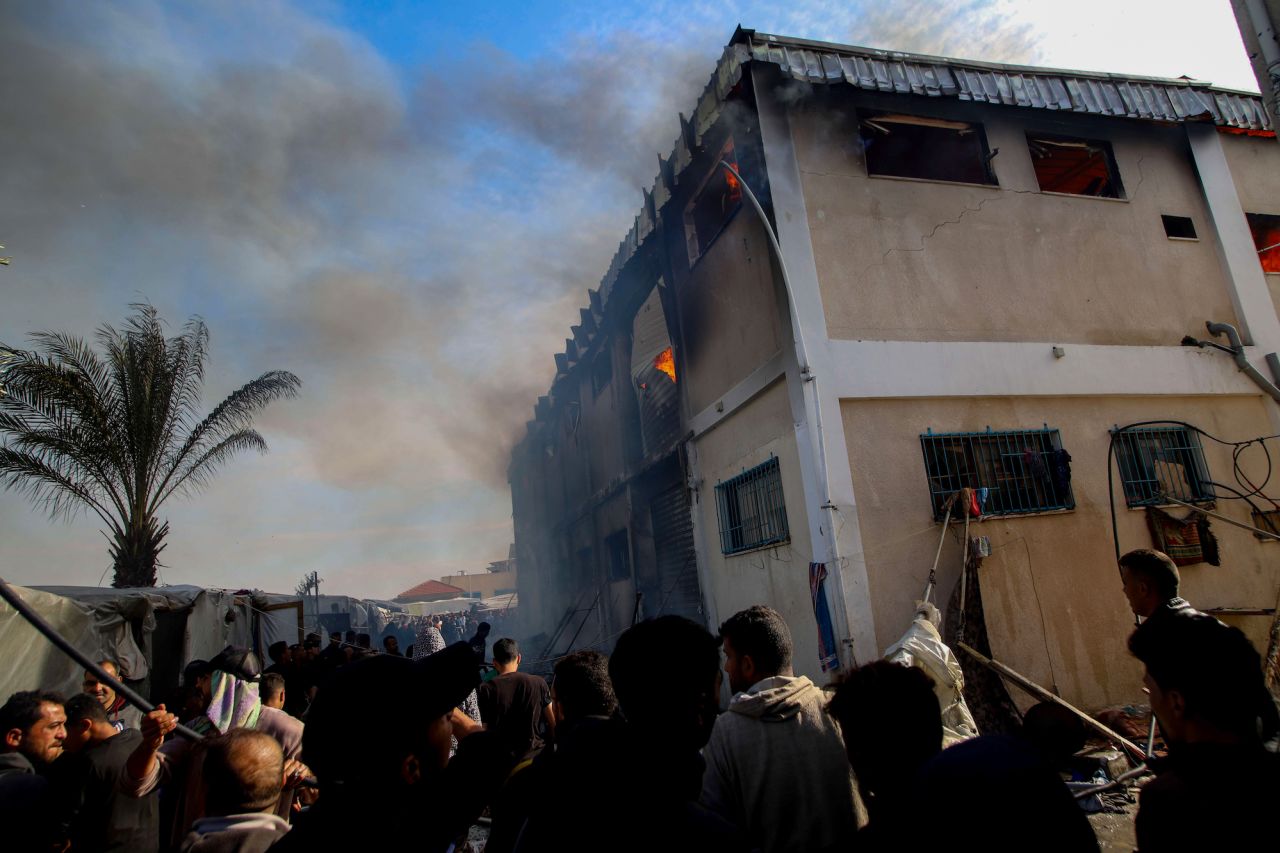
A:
{"x": 151, "y": 632}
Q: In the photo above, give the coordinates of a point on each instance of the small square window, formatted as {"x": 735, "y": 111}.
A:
{"x": 1014, "y": 472}
{"x": 907, "y": 146}
{"x": 1178, "y": 227}
{"x": 1163, "y": 461}
{"x": 1075, "y": 166}
{"x": 1265, "y": 228}
{"x": 751, "y": 509}
{"x": 1268, "y": 520}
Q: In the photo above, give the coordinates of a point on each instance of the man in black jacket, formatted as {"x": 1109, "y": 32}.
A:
{"x": 1218, "y": 787}
{"x": 32, "y": 729}
{"x": 1151, "y": 583}
{"x": 101, "y": 816}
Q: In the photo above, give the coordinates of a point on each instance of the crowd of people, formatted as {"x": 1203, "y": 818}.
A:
{"x": 626, "y": 752}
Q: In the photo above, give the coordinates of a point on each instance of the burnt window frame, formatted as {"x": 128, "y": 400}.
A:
{"x": 695, "y": 245}
{"x": 1181, "y": 446}
{"x": 757, "y": 489}
{"x": 874, "y": 119}
{"x": 995, "y": 460}
{"x": 1107, "y": 150}
{"x": 1273, "y": 250}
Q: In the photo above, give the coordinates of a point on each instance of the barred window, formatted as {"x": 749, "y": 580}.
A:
{"x": 1013, "y": 471}
{"x": 1161, "y": 461}
{"x": 751, "y": 509}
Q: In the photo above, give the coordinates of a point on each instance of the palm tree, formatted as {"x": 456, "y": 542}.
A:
{"x": 121, "y": 433}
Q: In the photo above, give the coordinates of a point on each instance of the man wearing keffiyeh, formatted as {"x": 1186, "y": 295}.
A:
{"x": 233, "y": 703}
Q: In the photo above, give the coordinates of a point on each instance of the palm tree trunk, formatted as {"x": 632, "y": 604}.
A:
{"x": 135, "y": 552}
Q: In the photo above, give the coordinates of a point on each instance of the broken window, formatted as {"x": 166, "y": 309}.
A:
{"x": 1012, "y": 472}
{"x": 1163, "y": 461}
{"x": 1074, "y": 166}
{"x": 935, "y": 149}
{"x": 751, "y": 509}
{"x": 1266, "y": 237}
{"x": 713, "y": 205}
{"x": 653, "y": 375}
{"x": 619, "y": 556}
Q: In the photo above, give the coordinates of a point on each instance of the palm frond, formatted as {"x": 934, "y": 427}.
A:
{"x": 232, "y": 415}
{"x": 197, "y": 473}
{"x": 59, "y": 494}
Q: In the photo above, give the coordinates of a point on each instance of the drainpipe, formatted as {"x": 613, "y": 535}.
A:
{"x": 1260, "y": 21}
{"x": 812, "y": 402}
{"x": 1237, "y": 352}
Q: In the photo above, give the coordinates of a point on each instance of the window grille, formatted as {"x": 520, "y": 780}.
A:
{"x": 1013, "y": 471}
{"x": 1161, "y": 461}
{"x": 751, "y": 509}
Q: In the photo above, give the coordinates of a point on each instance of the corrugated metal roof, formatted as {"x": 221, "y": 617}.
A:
{"x": 1115, "y": 95}
{"x": 1149, "y": 98}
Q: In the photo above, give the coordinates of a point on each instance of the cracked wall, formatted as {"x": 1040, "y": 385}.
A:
{"x": 902, "y": 259}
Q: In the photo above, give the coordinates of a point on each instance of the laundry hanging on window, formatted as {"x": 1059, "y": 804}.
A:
{"x": 1187, "y": 541}
{"x": 1060, "y": 472}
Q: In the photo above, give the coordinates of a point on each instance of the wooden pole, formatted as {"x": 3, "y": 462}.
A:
{"x": 1254, "y": 530}
{"x": 1040, "y": 693}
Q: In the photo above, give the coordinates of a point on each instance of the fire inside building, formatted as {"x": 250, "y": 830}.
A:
{"x": 961, "y": 277}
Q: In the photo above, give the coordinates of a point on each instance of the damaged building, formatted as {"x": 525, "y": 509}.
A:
{"x": 983, "y": 277}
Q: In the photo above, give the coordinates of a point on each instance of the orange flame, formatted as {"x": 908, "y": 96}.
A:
{"x": 666, "y": 363}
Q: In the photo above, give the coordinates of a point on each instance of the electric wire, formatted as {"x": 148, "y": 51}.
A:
{"x": 1251, "y": 490}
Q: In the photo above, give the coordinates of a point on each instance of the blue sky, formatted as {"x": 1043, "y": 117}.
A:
{"x": 404, "y": 203}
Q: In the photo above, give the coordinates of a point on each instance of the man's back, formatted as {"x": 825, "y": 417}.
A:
{"x": 776, "y": 768}
{"x": 512, "y": 705}
{"x": 105, "y": 818}
{"x": 1187, "y": 806}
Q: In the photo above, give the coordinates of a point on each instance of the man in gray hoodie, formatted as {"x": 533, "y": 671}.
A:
{"x": 776, "y": 766}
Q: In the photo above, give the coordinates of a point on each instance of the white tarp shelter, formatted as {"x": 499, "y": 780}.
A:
{"x": 151, "y": 632}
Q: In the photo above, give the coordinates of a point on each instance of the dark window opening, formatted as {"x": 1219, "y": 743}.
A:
{"x": 1265, "y": 228}
{"x": 601, "y": 372}
{"x": 1012, "y": 471}
{"x": 917, "y": 147}
{"x": 619, "y": 556}
{"x": 713, "y": 206}
{"x": 1075, "y": 166}
{"x": 751, "y": 509}
{"x": 1167, "y": 461}
{"x": 1178, "y": 227}
{"x": 1268, "y": 520}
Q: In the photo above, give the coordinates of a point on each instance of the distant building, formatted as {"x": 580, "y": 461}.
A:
{"x": 499, "y": 579}
{"x": 990, "y": 268}
{"x": 429, "y": 591}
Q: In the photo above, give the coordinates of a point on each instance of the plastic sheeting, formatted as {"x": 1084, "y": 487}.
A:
{"x": 922, "y": 647}
{"x": 117, "y": 624}
{"x": 29, "y": 661}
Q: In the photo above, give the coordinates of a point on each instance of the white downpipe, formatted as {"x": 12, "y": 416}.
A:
{"x": 812, "y": 402}
{"x": 1268, "y": 43}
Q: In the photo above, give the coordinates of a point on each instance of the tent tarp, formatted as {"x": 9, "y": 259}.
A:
{"x": 29, "y": 661}
{"x": 118, "y": 624}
